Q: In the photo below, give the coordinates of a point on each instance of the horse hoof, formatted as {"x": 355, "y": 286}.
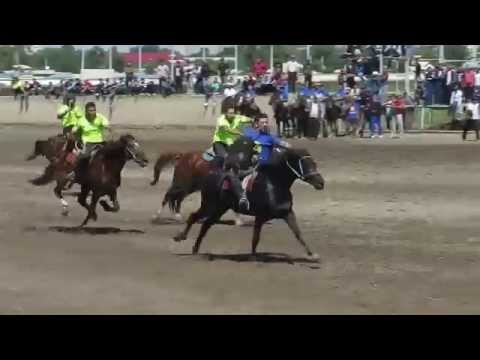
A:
{"x": 314, "y": 257}
{"x": 179, "y": 237}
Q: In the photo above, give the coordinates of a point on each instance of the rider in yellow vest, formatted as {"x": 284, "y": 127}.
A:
{"x": 229, "y": 128}
{"x": 69, "y": 113}
{"x": 90, "y": 128}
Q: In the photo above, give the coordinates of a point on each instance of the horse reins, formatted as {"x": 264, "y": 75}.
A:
{"x": 300, "y": 174}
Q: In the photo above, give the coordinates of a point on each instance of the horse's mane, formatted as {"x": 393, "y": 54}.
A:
{"x": 114, "y": 146}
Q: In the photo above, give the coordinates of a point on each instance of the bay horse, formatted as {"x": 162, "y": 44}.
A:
{"x": 103, "y": 175}
{"x": 269, "y": 196}
{"x": 49, "y": 148}
{"x": 191, "y": 169}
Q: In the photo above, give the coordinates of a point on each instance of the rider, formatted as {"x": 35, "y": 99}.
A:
{"x": 69, "y": 113}
{"x": 228, "y": 129}
{"x": 90, "y": 128}
{"x": 264, "y": 145}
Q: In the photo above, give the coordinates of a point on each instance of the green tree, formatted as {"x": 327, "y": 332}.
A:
{"x": 117, "y": 60}
{"x": 146, "y": 48}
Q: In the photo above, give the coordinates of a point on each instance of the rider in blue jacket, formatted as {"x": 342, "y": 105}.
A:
{"x": 265, "y": 143}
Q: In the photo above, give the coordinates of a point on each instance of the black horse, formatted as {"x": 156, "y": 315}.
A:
{"x": 282, "y": 115}
{"x": 270, "y": 196}
{"x": 333, "y": 116}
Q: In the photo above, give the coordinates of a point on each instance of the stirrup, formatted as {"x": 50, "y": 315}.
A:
{"x": 244, "y": 204}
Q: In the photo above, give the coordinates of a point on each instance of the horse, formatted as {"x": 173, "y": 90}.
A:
{"x": 192, "y": 168}
{"x": 269, "y": 196}
{"x": 103, "y": 176}
{"x": 49, "y": 148}
{"x": 282, "y": 115}
{"x": 333, "y": 116}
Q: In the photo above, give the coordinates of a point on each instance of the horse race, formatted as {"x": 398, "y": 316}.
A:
{"x": 246, "y": 179}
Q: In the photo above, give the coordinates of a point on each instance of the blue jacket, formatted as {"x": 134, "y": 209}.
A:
{"x": 320, "y": 92}
{"x": 265, "y": 141}
{"x": 306, "y": 92}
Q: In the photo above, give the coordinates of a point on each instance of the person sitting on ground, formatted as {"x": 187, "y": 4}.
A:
{"x": 90, "y": 128}
{"x": 69, "y": 113}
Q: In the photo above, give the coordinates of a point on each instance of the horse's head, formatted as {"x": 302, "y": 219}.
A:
{"x": 303, "y": 166}
{"x": 133, "y": 150}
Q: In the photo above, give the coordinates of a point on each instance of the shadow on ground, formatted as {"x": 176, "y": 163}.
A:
{"x": 94, "y": 230}
{"x": 260, "y": 257}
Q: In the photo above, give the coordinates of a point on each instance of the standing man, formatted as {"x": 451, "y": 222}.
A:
{"x": 163, "y": 73}
{"x": 259, "y": 68}
{"x": 222, "y": 70}
{"x": 308, "y": 72}
{"x": 472, "y": 117}
{"x": 129, "y": 75}
{"x": 292, "y": 69}
{"x": 178, "y": 72}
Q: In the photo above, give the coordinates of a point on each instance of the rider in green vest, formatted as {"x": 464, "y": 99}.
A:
{"x": 90, "y": 128}
{"x": 69, "y": 113}
{"x": 229, "y": 128}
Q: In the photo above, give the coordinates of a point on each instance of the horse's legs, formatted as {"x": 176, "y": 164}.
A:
{"x": 291, "y": 221}
{"x": 91, "y": 209}
{"x": 82, "y": 198}
{"x": 212, "y": 219}
{"x": 58, "y": 193}
{"x": 114, "y": 200}
{"x": 192, "y": 219}
{"x": 259, "y": 221}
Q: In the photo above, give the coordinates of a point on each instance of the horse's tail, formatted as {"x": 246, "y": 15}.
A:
{"x": 45, "y": 178}
{"x": 37, "y": 151}
{"x": 163, "y": 161}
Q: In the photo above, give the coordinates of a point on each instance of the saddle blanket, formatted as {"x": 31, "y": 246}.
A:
{"x": 247, "y": 183}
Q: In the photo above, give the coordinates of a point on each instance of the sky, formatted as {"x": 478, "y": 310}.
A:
{"x": 184, "y": 49}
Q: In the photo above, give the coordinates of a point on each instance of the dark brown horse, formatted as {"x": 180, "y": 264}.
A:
{"x": 103, "y": 176}
{"x": 49, "y": 148}
{"x": 191, "y": 169}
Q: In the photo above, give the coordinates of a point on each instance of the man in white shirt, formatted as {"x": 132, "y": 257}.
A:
{"x": 229, "y": 91}
{"x": 292, "y": 69}
{"x": 456, "y": 102}
{"x": 163, "y": 75}
{"x": 472, "y": 117}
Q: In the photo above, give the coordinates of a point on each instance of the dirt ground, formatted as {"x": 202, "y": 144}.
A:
{"x": 396, "y": 230}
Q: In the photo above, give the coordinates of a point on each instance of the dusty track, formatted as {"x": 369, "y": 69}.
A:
{"x": 396, "y": 228}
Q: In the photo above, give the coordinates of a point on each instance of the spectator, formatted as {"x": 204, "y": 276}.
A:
{"x": 376, "y": 110}
{"x": 163, "y": 73}
{"x": 351, "y": 109}
{"x": 389, "y": 111}
{"x": 178, "y": 73}
{"x": 321, "y": 94}
{"x": 350, "y": 80}
{"x": 292, "y": 69}
{"x": 472, "y": 117}
{"x": 398, "y": 106}
{"x": 418, "y": 71}
{"x": 222, "y": 70}
{"x": 129, "y": 74}
{"x": 229, "y": 91}
{"x": 308, "y": 74}
{"x": 341, "y": 78}
{"x": 259, "y": 68}
{"x": 456, "y": 103}
{"x": 419, "y": 95}
{"x": 365, "y": 101}
{"x": 476, "y": 90}
{"x": 468, "y": 83}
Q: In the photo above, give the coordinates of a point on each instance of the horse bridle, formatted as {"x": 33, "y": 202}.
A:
{"x": 130, "y": 152}
{"x": 300, "y": 174}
